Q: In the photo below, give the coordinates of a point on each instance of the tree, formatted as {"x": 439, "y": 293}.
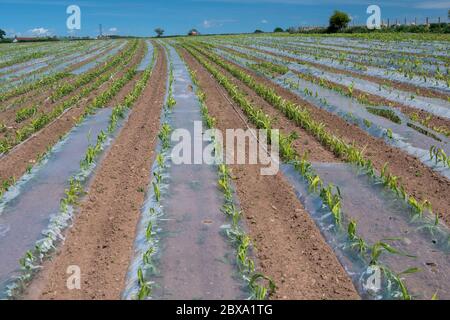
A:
{"x": 338, "y": 21}
{"x": 2, "y": 34}
{"x": 258, "y": 31}
{"x": 159, "y": 32}
{"x": 278, "y": 30}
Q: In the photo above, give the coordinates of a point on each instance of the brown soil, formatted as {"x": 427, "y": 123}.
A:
{"x": 288, "y": 244}
{"x": 419, "y": 180}
{"x": 394, "y": 84}
{"x": 101, "y": 240}
{"x": 15, "y": 163}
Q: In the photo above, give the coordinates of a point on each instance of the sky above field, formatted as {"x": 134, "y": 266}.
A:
{"x": 140, "y": 17}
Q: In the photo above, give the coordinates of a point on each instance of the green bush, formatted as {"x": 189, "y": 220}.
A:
{"x": 338, "y": 21}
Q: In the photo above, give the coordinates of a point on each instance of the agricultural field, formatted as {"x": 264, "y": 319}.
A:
{"x": 92, "y": 186}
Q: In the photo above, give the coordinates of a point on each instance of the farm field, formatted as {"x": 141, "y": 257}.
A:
{"x": 91, "y": 182}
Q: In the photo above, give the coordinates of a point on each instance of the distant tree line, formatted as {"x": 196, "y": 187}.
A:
{"x": 339, "y": 23}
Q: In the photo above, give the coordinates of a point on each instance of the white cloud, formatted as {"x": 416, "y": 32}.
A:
{"x": 113, "y": 30}
{"x": 39, "y": 32}
{"x": 264, "y": 21}
{"x": 208, "y": 24}
{"x": 213, "y": 23}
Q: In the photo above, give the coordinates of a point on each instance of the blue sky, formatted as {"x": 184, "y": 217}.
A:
{"x": 139, "y": 17}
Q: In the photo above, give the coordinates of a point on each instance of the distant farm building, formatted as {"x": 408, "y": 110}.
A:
{"x": 194, "y": 32}
{"x": 22, "y": 39}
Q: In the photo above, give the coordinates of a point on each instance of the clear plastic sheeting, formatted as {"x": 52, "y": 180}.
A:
{"x": 194, "y": 260}
{"x": 430, "y": 83}
{"x": 18, "y": 70}
{"x": 33, "y": 204}
{"x": 434, "y": 106}
{"x": 432, "y": 48}
{"x": 403, "y": 136}
{"x": 392, "y": 61}
{"x": 380, "y": 216}
{"x": 93, "y": 64}
{"x": 78, "y": 58}
{"x": 50, "y": 68}
{"x": 148, "y": 57}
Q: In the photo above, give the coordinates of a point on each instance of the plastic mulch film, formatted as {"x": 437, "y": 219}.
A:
{"x": 148, "y": 57}
{"x": 402, "y": 135}
{"x": 7, "y": 82}
{"x": 434, "y": 106}
{"x": 96, "y": 62}
{"x": 380, "y": 217}
{"x": 30, "y": 211}
{"x": 190, "y": 256}
{"x": 371, "y": 71}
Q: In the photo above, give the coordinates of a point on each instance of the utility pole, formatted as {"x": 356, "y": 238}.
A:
{"x": 100, "y": 30}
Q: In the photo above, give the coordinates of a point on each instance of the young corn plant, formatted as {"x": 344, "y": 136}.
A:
{"x": 350, "y": 89}
{"x": 164, "y": 136}
{"x": 145, "y": 289}
{"x": 439, "y": 156}
{"x": 356, "y": 242}
{"x": 25, "y": 113}
{"x": 261, "y": 292}
{"x": 333, "y": 201}
{"x": 161, "y": 162}
{"x": 157, "y": 191}
{"x": 398, "y": 280}
{"x": 72, "y": 194}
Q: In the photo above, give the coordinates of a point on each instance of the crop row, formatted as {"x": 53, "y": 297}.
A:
{"x": 330, "y": 195}
{"x": 44, "y": 247}
{"x": 100, "y": 101}
{"x": 436, "y": 154}
{"x": 302, "y": 117}
{"x": 235, "y": 233}
{"x": 415, "y": 87}
{"x": 342, "y": 60}
{"x": 41, "y": 83}
{"x": 349, "y": 91}
{"x": 45, "y": 118}
{"x": 150, "y": 249}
